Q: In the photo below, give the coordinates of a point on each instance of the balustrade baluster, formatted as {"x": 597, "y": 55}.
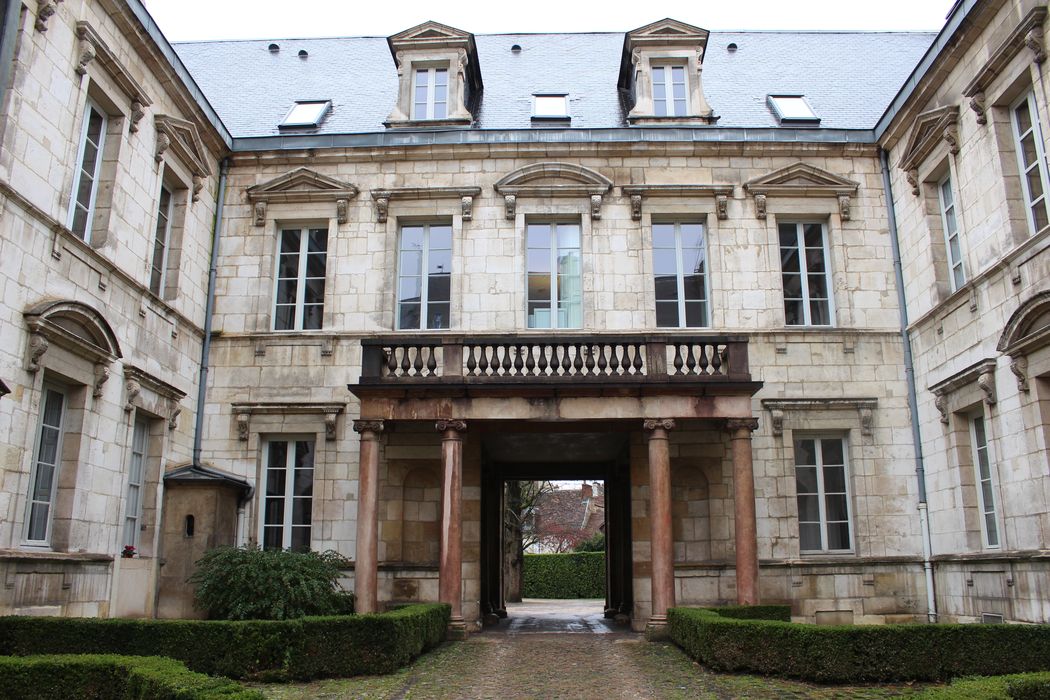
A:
{"x": 603, "y": 364}
{"x": 432, "y": 362}
{"x": 391, "y": 361}
{"x": 577, "y": 361}
{"x": 506, "y": 363}
{"x": 703, "y": 359}
{"x": 483, "y": 363}
{"x": 566, "y": 362}
{"x": 472, "y": 364}
{"x": 636, "y": 364}
{"x": 588, "y": 350}
{"x": 716, "y": 359}
{"x": 417, "y": 360}
{"x": 406, "y": 363}
{"x": 690, "y": 358}
{"x": 614, "y": 359}
{"x": 543, "y": 364}
{"x": 530, "y": 363}
{"x": 678, "y": 362}
{"x": 518, "y": 362}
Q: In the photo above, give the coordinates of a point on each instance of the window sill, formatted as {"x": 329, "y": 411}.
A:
{"x": 687, "y": 120}
{"x": 428, "y": 123}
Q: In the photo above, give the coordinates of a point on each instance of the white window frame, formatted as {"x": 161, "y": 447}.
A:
{"x": 782, "y": 107}
{"x": 163, "y": 238}
{"x": 945, "y": 184}
{"x": 89, "y": 106}
{"x": 542, "y": 98}
{"x": 300, "y": 286}
{"x": 289, "y": 487}
{"x": 821, "y": 492}
{"x": 322, "y": 106}
{"x": 800, "y": 241}
{"x": 57, "y": 466}
{"x": 139, "y": 454}
{"x": 665, "y": 67}
{"x": 984, "y": 508}
{"x": 555, "y": 305}
{"x": 424, "y": 277}
{"x": 680, "y": 271}
{"x": 1037, "y": 136}
{"x": 431, "y": 74}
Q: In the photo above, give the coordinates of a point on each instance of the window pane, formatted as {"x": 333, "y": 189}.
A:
{"x": 315, "y": 265}
{"x": 438, "y": 288}
{"x": 318, "y": 242}
{"x": 275, "y": 481}
{"x": 568, "y": 236}
{"x": 440, "y": 261}
{"x": 838, "y": 536}
{"x": 818, "y": 288}
{"x": 38, "y": 513}
{"x": 666, "y": 288}
{"x": 411, "y": 262}
{"x": 438, "y": 315}
{"x": 805, "y": 452}
{"x": 314, "y": 290}
{"x": 693, "y": 261}
{"x": 409, "y": 316}
{"x": 304, "y": 482}
{"x": 440, "y": 237}
{"x": 1024, "y": 118}
{"x": 539, "y": 287}
{"x": 808, "y": 508}
{"x": 1039, "y": 214}
{"x": 793, "y": 312}
{"x": 663, "y": 236}
{"x": 789, "y": 260}
{"x": 272, "y": 538}
{"x": 991, "y": 529}
{"x": 539, "y": 236}
{"x": 288, "y": 266}
{"x": 284, "y": 318}
{"x": 831, "y": 452}
{"x": 300, "y": 538}
{"x": 312, "y": 317}
{"x": 788, "y": 235}
{"x": 539, "y": 260}
{"x": 667, "y": 314}
{"x": 539, "y": 314}
{"x": 834, "y": 479}
{"x": 664, "y": 262}
{"x": 835, "y": 507}
{"x": 286, "y": 291}
{"x": 809, "y": 536}
{"x": 412, "y": 238}
{"x": 695, "y": 314}
{"x": 692, "y": 235}
{"x": 290, "y": 240}
{"x": 411, "y": 289}
{"x": 819, "y": 313}
{"x": 694, "y": 287}
{"x": 274, "y": 511}
{"x": 793, "y": 286}
{"x": 45, "y": 477}
{"x": 815, "y": 260}
{"x": 805, "y": 479}
{"x": 814, "y": 235}
{"x": 301, "y": 511}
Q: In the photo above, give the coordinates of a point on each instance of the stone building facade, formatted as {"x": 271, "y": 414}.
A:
{"x": 665, "y": 259}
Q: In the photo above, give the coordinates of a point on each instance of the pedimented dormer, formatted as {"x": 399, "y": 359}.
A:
{"x": 661, "y": 69}
{"x": 438, "y": 76}
{"x": 298, "y": 186}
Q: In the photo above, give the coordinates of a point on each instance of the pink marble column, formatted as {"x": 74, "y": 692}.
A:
{"x": 744, "y": 524}
{"x": 366, "y": 581}
{"x": 450, "y": 576}
{"x": 661, "y": 535}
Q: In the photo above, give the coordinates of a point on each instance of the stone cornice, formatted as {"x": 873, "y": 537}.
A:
{"x": 466, "y": 195}
{"x": 151, "y": 382}
{"x": 299, "y": 186}
{"x": 243, "y": 411}
{"x": 801, "y": 180}
{"x": 94, "y": 48}
{"x": 638, "y": 193}
{"x": 864, "y": 406}
{"x": 930, "y": 129}
{"x": 980, "y": 374}
{"x": 1027, "y": 34}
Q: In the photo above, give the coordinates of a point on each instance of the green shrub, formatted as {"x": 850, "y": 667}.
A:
{"x": 572, "y": 575}
{"x": 106, "y": 677}
{"x": 304, "y": 648}
{"x": 1030, "y": 686}
{"x": 248, "y": 583}
{"x": 755, "y": 612}
{"x": 862, "y": 653}
{"x": 595, "y": 543}
{"x": 1021, "y": 686}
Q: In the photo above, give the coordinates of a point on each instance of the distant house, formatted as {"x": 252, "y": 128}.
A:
{"x": 566, "y": 517}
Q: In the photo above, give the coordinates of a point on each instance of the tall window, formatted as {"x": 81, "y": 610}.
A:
{"x": 985, "y": 486}
{"x": 822, "y": 495}
{"x": 45, "y": 466}
{"x": 430, "y": 91}
{"x": 680, "y": 268}
{"x": 161, "y": 239}
{"x": 804, "y": 263}
{"x": 425, "y": 276}
{"x": 669, "y": 95}
{"x": 951, "y": 233}
{"x": 89, "y": 162}
{"x": 136, "y": 469}
{"x": 555, "y": 295}
{"x": 301, "y": 264}
{"x": 1028, "y": 141}
{"x": 287, "y": 511}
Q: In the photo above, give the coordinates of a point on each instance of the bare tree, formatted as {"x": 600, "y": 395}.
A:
{"x": 519, "y": 531}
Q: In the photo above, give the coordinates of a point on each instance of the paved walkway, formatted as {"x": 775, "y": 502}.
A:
{"x": 535, "y": 616}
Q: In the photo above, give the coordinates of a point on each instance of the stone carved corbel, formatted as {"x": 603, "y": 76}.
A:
{"x": 978, "y": 105}
{"x": 951, "y": 137}
{"x": 38, "y": 345}
{"x": 198, "y": 185}
{"x": 636, "y": 207}
{"x": 138, "y": 111}
{"x": 844, "y": 201}
{"x": 163, "y": 143}
{"x": 1019, "y": 366}
{"x": 382, "y": 209}
{"x": 45, "y": 10}
{"x": 467, "y": 208}
{"x": 101, "y": 377}
{"x": 259, "y": 213}
{"x": 867, "y": 421}
{"x": 342, "y": 207}
{"x": 132, "y": 388}
{"x": 777, "y": 421}
{"x": 460, "y": 426}
{"x": 174, "y": 409}
{"x": 760, "y": 206}
{"x": 510, "y": 203}
{"x": 243, "y": 418}
{"x": 369, "y": 426}
{"x": 912, "y": 176}
{"x": 735, "y": 424}
{"x": 940, "y": 400}
{"x": 986, "y": 383}
{"x": 1034, "y": 41}
{"x": 658, "y": 423}
{"x": 596, "y": 206}
{"x": 329, "y": 425}
{"x": 722, "y": 206}
{"x": 85, "y": 55}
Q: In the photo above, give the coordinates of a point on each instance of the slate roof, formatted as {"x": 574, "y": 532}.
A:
{"x": 849, "y": 78}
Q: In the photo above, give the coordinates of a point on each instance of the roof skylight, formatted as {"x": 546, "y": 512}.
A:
{"x": 306, "y": 113}
{"x": 547, "y": 106}
{"x": 792, "y": 109}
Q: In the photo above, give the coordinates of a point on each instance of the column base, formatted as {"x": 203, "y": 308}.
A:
{"x": 457, "y": 630}
{"x": 656, "y": 629}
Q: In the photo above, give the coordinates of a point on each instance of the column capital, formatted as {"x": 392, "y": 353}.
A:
{"x": 368, "y": 426}
{"x": 738, "y": 424}
{"x": 460, "y": 426}
{"x": 659, "y": 424}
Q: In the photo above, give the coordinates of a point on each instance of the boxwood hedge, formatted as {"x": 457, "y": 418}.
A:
{"x": 305, "y": 648}
{"x": 571, "y": 575}
{"x": 862, "y": 653}
{"x": 1021, "y": 686}
{"x": 111, "y": 677}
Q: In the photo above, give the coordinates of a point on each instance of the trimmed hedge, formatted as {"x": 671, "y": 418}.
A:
{"x": 302, "y": 649}
{"x": 570, "y": 575}
{"x": 755, "y": 612}
{"x": 111, "y": 677}
{"x": 1022, "y": 686}
{"x": 862, "y": 653}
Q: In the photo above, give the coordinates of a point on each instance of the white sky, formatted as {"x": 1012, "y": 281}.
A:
{"x": 186, "y": 20}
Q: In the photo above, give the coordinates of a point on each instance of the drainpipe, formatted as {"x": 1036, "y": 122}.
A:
{"x": 202, "y": 382}
{"x": 913, "y": 408}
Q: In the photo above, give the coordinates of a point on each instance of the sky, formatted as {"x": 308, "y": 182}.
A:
{"x": 181, "y": 20}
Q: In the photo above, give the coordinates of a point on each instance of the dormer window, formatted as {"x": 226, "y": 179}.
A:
{"x": 792, "y": 109}
{"x": 550, "y": 106}
{"x": 669, "y": 90}
{"x": 430, "y": 92}
{"x": 307, "y": 113}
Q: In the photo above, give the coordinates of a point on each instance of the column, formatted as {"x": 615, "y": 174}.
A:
{"x": 450, "y": 576}
{"x": 744, "y": 525}
{"x": 661, "y": 535}
{"x": 366, "y": 579}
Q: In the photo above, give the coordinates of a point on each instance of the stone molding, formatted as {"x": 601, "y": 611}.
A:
{"x": 638, "y": 193}
{"x": 802, "y": 180}
{"x": 1027, "y": 330}
{"x": 1027, "y": 34}
{"x": 554, "y": 179}
{"x": 981, "y": 374}
{"x": 183, "y": 139}
{"x": 658, "y": 424}
{"x": 444, "y": 425}
{"x": 45, "y": 9}
{"x": 930, "y": 129}
{"x": 363, "y": 425}
{"x": 736, "y": 424}
{"x": 465, "y": 195}
{"x": 77, "y": 328}
{"x": 243, "y": 411}
{"x": 778, "y": 408}
{"x": 93, "y": 48}
{"x": 298, "y": 186}
{"x": 167, "y": 397}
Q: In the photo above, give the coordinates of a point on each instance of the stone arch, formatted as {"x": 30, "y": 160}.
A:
{"x": 690, "y": 513}
{"x": 532, "y": 174}
{"x": 1031, "y": 319}
{"x": 75, "y": 326}
{"x": 421, "y": 516}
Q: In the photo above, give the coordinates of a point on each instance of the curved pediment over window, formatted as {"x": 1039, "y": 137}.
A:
{"x": 76, "y": 327}
{"x": 1027, "y": 330}
{"x": 554, "y": 180}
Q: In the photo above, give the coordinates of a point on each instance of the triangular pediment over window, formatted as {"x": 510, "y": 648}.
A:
{"x": 301, "y": 185}
{"x": 185, "y": 143}
{"x": 667, "y": 32}
{"x": 801, "y": 180}
{"x": 554, "y": 180}
{"x": 430, "y": 31}
{"x": 930, "y": 127}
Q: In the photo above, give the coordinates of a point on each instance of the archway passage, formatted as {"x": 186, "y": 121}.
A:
{"x": 556, "y": 456}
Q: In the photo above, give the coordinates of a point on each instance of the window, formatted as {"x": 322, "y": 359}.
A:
{"x": 822, "y": 495}
{"x": 431, "y": 94}
{"x": 951, "y": 233}
{"x": 1028, "y": 140}
{"x": 46, "y": 463}
{"x": 287, "y": 510}
{"x": 554, "y": 279}
{"x": 680, "y": 269}
{"x": 804, "y": 263}
{"x": 159, "y": 263}
{"x": 136, "y": 471}
{"x": 985, "y": 486}
{"x": 669, "y": 93}
{"x": 306, "y": 114}
{"x": 550, "y": 106}
{"x": 792, "y": 109}
{"x": 85, "y": 180}
{"x": 425, "y": 276}
{"x": 300, "y": 279}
